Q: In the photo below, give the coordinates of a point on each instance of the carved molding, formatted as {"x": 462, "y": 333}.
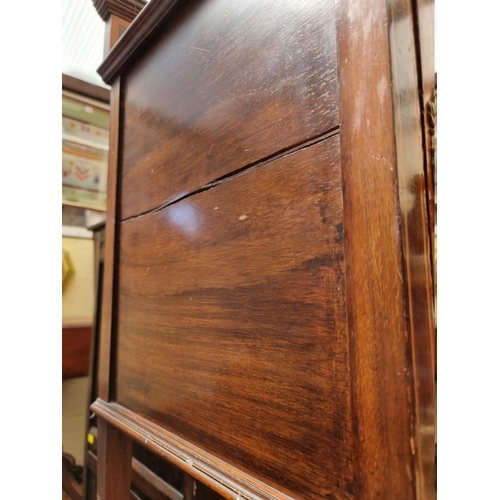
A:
{"x": 228, "y": 481}
{"x": 125, "y": 9}
{"x": 137, "y": 34}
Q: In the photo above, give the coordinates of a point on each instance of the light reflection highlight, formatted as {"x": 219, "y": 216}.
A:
{"x": 185, "y": 216}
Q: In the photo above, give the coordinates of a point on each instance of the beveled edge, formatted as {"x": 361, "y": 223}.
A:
{"x": 139, "y": 30}
{"x": 225, "y": 479}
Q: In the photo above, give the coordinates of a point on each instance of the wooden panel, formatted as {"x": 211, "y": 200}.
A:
{"x": 76, "y": 351}
{"x": 228, "y": 84}
{"x": 232, "y": 326}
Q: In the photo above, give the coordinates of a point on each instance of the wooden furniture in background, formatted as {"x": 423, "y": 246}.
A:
{"x": 77, "y": 333}
{"x": 267, "y": 318}
{"x": 71, "y": 477}
{"x": 76, "y": 351}
{"x": 86, "y": 89}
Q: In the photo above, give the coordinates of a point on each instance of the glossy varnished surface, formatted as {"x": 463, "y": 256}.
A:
{"x": 416, "y": 226}
{"x": 232, "y": 323}
{"x": 272, "y": 329}
{"x": 380, "y": 344}
{"x": 228, "y": 83}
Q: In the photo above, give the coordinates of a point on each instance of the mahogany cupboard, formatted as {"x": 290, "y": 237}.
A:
{"x": 267, "y": 321}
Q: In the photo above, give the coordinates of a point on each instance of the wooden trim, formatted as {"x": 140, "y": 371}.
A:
{"x": 109, "y": 255}
{"x": 151, "y": 484}
{"x": 413, "y": 189}
{"x": 87, "y": 100}
{"x": 88, "y": 89}
{"x": 141, "y": 29}
{"x": 114, "y": 462}
{"x": 424, "y": 18}
{"x": 381, "y": 152}
{"x": 144, "y": 479}
{"x": 126, "y": 9}
{"x": 94, "y": 346}
{"x": 223, "y": 478}
{"x": 115, "y": 28}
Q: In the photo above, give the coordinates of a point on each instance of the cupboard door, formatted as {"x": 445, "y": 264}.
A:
{"x": 232, "y": 326}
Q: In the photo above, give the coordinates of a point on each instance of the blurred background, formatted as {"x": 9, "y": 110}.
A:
{"x": 85, "y": 144}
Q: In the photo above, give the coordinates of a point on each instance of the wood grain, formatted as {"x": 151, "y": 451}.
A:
{"x": 114, "y": 29}
{"x": 273, "y": 328}
{"x": 106, "y": 320}
{"x": 227, "y": 85}
{"x": 236, "y": 297}
{"x": 114, "y": 468}
{"x": 225, "y": 480}
{"x": 380, "y": 363}
{"x": 135, "y": 38}
{"x": 415, "y": 231}
{"x": 142, "y": 478}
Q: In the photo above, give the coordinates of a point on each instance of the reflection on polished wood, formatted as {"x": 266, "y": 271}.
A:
{"x": 238, "y": 301}
{"x": 224, "y": 87}
{"x": 268, "y": 298}
{"x": 389, "y": 305}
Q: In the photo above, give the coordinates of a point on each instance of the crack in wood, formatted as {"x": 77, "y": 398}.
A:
{"x": 241, "y": 171}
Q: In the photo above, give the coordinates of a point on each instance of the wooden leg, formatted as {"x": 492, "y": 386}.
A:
{"x": 114, "y": 463}
{"x": 189, "y": 488}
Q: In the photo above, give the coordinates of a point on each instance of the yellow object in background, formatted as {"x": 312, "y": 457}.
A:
{"x": 78, "y": 299}
{"x": 68, "y": 270}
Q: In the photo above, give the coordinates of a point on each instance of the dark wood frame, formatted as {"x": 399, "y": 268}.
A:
{"x": 395, "y": 460}
{"x": 84, "y": 88}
